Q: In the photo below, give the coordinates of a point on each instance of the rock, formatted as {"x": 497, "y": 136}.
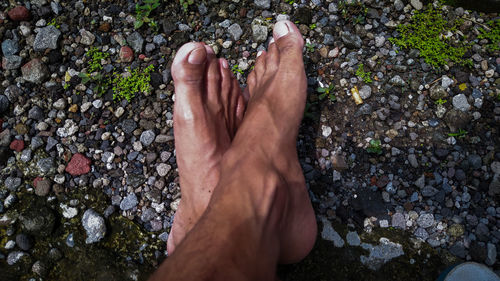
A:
{"x": 17, "y": 145}
{"x": 147, "y": 137}
{"x": 35, "y": 113}
{"x": 494, "y": 187}
{"x": 491, "y": 255}
{"x": 10, "y": 47}
{"x": 46, "y": 38}
{"x": 460, "y": 103}
{"x": 330, "y": 234}
{"x": 11, "y": 62}
{"x": 456, "y": 230}
{"x": 259, "y": 31}
{"x": 425, "y": 220}
{"x": 353, "y": 239}
{"x": 78, "y": 165}
{"x": 416, "y": 4}
{"x": 263, "y": 4}
{"x": 457, "y": 119}
{"x": 482, "y": 232}
{"x": 446, "y": 81}
{"x": 381, "y": 253}
{"x": 379, "y": 41}
{"x": 39, "y": 268}
{"x": 398, "y": 221}
{"x": 35, "y": 71}
{"x": 235, "y": 31}
{"x": 87, "y": 37}
{"x": 474, "y": 161}
{"x": 45, "y": 166}
{"x": 338, "y": 162}
{"x": 352, "y": 41}
{"x": 126, "y": 54}
{"x": 38, "y": 221}
{"x": 438, "y": 92}
{"x": 458, "y": 249}
{"x": 67, "y": 211}
{"x": 12, "y": 183}
{"x": 94, "y": 226}
{"x": 19, "y": 13}
{"x": 326, "y": 131}
{"x": 14, "y": 257}
{"x": 129, "y": 202}
{"x": 412, "y": 159}
{"x": 4, "y": 105}
{"x": 43, "y": 187}
{"x": 420, "y": 182}
{"x": 477, "y": 251}
{"x": 365, "y": 92}
{"x": 429, "y": 191}
{"x": 24, "y": 242}
{"x": 163, "y": 169}
{"x": 136, "y": 41}
{"x": 421, "y": 233}
{"x": 398, "y": 5}
{"x": 397, "y": 81}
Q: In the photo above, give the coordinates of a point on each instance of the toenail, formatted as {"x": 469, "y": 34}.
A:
{"x": 224, "y": 64}
{"x": 196, "y": 56}
{"x": 271, "y": 41}
{"x": 209, "y": 49}
{"x": 259, "y": 53}
{"x": 281, "y": 29}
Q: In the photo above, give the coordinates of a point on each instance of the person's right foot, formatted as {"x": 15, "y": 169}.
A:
{"x": 278, "y": 92}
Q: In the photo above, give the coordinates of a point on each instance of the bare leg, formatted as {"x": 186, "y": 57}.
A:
{"x": 259, "y": 212}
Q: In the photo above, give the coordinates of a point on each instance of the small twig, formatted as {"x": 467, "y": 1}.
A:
{"x": 483, "y": 25}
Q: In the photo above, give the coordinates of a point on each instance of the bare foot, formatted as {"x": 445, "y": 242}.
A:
{"x": 278, "y": 92}
{"x": 209, "y": 107}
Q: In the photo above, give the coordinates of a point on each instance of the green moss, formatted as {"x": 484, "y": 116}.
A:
{"x": 366, "y": 76}
{"x": 95, "y": 57}
{"x": 493, "y": 34}
{"x": 427, "y": 32}
{"x": 374, "y": 147}
{"x": 125, "y": 87}
{"x": 327, "y": 92}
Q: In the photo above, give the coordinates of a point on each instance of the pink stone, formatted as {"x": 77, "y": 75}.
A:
{"x": 126, "y": 54}
{"x": 19, "y": 13}
{"x": 78, "y": 165}
{"x": 142, "y": 57}
{"x": 17, "y": 145}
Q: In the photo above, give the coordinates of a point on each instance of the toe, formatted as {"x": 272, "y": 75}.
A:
{"x": 188, "y": 70}
{"x": 227, "y": 96}
{"x": 240, "y": 111}
{"x": 213, "y": 83}
{"x": 289, "y": 42}
{"x": 251, "y": 83}
{"x": 272, "y": 58}
{"x": 260, "y": 65}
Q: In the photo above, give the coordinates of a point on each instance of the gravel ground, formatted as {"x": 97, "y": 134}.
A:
{"x": 404, "y": 183}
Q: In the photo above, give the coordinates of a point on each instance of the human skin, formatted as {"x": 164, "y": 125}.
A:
{"x": 259, "y": 212}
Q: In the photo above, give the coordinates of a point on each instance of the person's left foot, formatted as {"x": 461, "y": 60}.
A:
{"x": 208, "y": 109}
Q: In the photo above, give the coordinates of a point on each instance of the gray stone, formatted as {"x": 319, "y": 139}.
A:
{"x": 148, "y": 214}
{"x": 379, "y": 41}
{"x": 446, "y": 81}
{"x": 460, "y": 103}
{"x": 398, "y": 221}
{"x": 128, "y": 126}
{"x": 491, "y": 257}
{"x": 429, "y": 191}
{"x": 416, "y": 4}
{"x": 51, "y": 143}
{"x": 94, "y": 226}
{"x": 46, "y": 38}
{"x": 494, "y": 188}
{"x": 147, "y": 137}
{"x": 26, "y": 155}
{"x": 45, "y": 166}
{"x": 458, "y": 249}
{"x": 24, "y": 242}
{"x": 352, "y": 41}
{"x": 35, "y": 113}
{"x": 397, "y": 81}
{"x": 475, "y": 161}
{"x": 328, "y": 39}
{"x": 163, "y": 236}
{"x": 438, "y": 92}
{"x": 38, "y": 221}
{"x": 35, "y": 71}
{"x": 365, "y": 109}
{"x": 413, "y": 160}
{"x": 11, "y": 62}
{"x": 129, "y": 202}
{"x": 365, "y": 92}
{"x": 12, "y": 183}
{"x": 14, "y": 257}
{"x": 421, "y": 233}
{"x": 4, "y": 104}
{"x": 235, "y": 31}
{"x": 263, "y": 4}
{"x": 259, "y": 31}
{"x": 39, "y": 268}
{"x": 43, "y": 187}
{"x": 398, "y": 5}
{"x": 420, "y": 182}
{"x": 381, "y": 253}
{"x": 425, "y": 220}
{"x": 333, "y": 8}
{"x": 159, "y": 39}
{"x": 163, "y": 169}
{"x": 330, "y": 234}
{"x": 353, "y": 239}
{"x": 482, "y": 232}
{"x": 10, "y": 47}
{"x": 136, "y": 42}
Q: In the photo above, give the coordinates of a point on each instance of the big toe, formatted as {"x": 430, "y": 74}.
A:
{"x": 188, "y": 71}
{"x": 289, "y": 42}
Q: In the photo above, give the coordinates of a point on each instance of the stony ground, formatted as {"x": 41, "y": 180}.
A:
{"x": 89, "y": 187}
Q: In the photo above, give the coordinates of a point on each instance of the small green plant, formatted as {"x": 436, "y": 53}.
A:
{"x": 327, "y": 92}
{"x": 493, "y": 34}
{"x": 426, "y": 33}
{"x": 290, "y": 2}
{"x": 312, "y": 26}
{"x": 440, "y": 101}
{"x": 460, "y": 134}
{"x": 353, "y": 11}
{"x": 310, "y": 47}
{"x": 374, "y": 147}
{"x": 95, "y": 56}
{"x": 125, "y": 87}
{"x": 143, "y": 12}
{"x": 186, "y": 3}
{"x": 236, "y": 69}
{"x": 308, "y": 114}
{"x": 53, "y": 22}
{"x": 366, "y": 76}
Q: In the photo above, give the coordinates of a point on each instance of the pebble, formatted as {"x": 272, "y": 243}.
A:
{"x": 43, "y": 187}
{"x": 14, "y": 257}
{"x": 353, "y": 239}
{"x": 330, "y": 234}
{"x": 136, "y": 42}
{"x": 35, "y": 71}
{"x": 78, "y": 165}
{"x": 163, "y": 169}
{"x": 263, "y": 4}
{"x": 46, "y": 38}
{"x": 19, "y": 13}
{"x": 147, "y": 137}
{"x": 235, "y": 31}
{"x": 365, "y": 92}
{"x": 128, "y": 202}
{"x": 460, "y": 103}
{"x": 24, "y": 242}
{"x": 94, "y": 226}
{"x": 425, "y": 220}
{"x": 10, "y": 47}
